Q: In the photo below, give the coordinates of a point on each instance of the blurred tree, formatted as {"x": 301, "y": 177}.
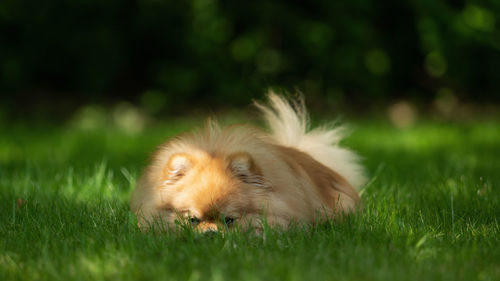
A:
{"x": 56, "y": 55}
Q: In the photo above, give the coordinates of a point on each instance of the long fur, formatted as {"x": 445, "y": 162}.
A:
{"x": 289, "y": 125}
{"x": 240, "y": 172}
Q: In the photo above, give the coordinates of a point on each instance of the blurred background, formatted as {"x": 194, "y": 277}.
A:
{"x": 153, "y": 59}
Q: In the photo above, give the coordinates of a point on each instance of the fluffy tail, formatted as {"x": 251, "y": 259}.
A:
{"x": 289, "y": 124}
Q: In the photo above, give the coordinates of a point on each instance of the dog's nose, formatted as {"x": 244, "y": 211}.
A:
{"x": 207, "y": 227}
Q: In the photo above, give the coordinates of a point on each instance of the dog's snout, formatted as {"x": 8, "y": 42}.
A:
{"x": 209, "y": 233}
{"x": 207, "y": 227}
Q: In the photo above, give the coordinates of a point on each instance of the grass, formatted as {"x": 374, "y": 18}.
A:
{"x": 431, "y": 212}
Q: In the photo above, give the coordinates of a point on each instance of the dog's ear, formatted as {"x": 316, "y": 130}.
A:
{"x": 176, "y": 168}
{"x": 244, "y": 168}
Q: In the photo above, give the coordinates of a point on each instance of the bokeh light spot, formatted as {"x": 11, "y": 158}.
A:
{"x": 479, "y": 18}
{"x": 446, "y": 102}
{"x": 243, "y": 48}
{"x": 128, "y": 118}
{"x": 89, "y": 117}
{"x": 435, "y": 64}
{"x": 377, "y": 62}
{"x": 402, "y": 114}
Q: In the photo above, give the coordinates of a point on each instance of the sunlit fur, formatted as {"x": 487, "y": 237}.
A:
{"x": 243, "y": 173}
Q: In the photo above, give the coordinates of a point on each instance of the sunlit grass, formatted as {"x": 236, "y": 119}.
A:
{"x": 431, "y": 211}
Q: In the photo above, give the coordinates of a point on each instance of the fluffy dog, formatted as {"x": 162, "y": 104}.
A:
{"x": 239, "y": 175}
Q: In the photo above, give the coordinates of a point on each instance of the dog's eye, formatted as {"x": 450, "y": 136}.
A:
{"x": 228, "y": 221}
{"x": 194, "y": 221}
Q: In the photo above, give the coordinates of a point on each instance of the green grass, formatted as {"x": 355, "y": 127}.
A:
{"x": 431, "y": 212}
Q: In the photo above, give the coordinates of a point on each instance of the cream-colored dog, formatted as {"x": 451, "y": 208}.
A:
{"x": 239, "y": 175}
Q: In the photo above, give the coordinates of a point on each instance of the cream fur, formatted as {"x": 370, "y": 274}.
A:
{"x": 239, "y": 171}
{"x": 289, "y": 124}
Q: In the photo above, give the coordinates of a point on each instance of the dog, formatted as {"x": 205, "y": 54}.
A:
{"x": 215, "y": 178}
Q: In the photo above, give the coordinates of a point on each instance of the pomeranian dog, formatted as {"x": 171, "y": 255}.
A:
{"x": 216, "y": 177}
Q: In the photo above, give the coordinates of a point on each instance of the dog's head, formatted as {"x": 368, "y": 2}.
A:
{"x": 210, "y": 191}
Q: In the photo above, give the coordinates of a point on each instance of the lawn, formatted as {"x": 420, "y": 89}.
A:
{"x": 431, "y": 211}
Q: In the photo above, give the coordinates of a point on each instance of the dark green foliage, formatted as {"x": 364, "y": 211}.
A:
{"x": 176, "y": 54}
